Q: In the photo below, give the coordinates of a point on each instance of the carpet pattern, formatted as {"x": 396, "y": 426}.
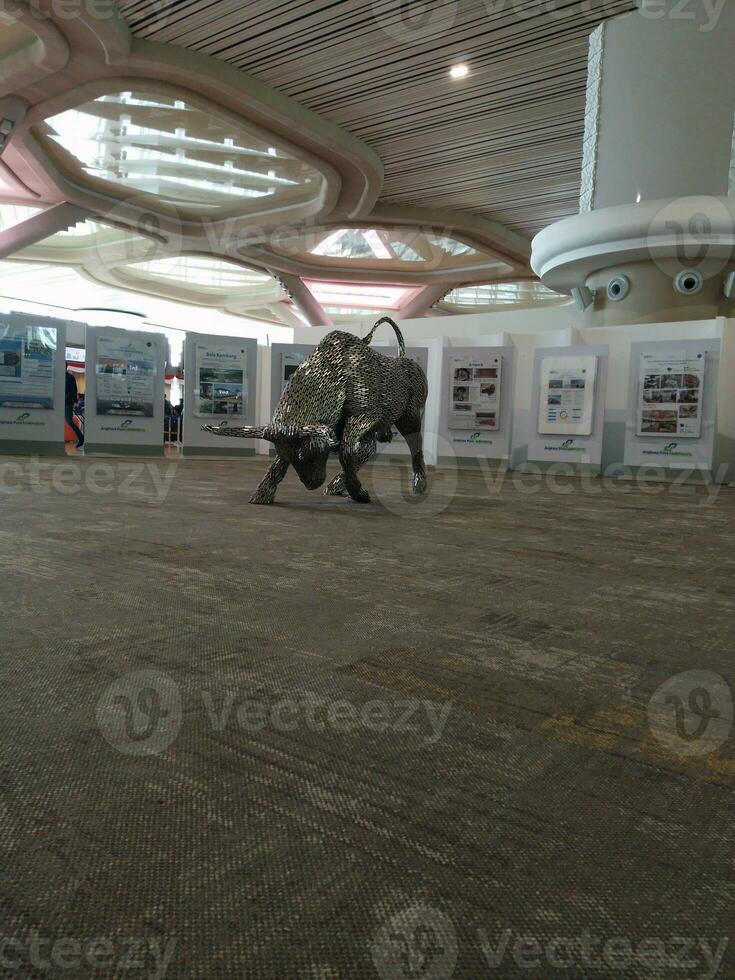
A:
{"x": 484, "y": 734}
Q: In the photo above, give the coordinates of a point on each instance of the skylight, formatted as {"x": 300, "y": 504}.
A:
{"x": 177, "y": 151}
{"x": 200, "y": 271}
{"x": 523, "y": 293}
{"x": 362, "y": 298}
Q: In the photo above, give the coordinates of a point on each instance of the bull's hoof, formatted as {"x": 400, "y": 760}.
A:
{"x": 336, "y": 488}
{"x": 361, "y": 496}
{"x": 419, "y": 483}
{"x": 262, "y": 498}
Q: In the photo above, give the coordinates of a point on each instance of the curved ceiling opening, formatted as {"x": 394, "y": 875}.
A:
{"x": 200, "y": 272}
{"x": 407, "y": 248}
{"x": 170, "y": 149}
{"x": 491, "y": 295}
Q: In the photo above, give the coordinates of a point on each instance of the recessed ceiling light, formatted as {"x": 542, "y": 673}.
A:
{"x": 459, "y": 71}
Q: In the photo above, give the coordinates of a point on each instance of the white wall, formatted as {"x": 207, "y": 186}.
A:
{"x": 527, "y": 330}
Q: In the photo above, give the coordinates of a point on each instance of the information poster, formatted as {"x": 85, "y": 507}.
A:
{"x": 221, "y": 371}
{"x": 126, "y": 376}
{"x": 290, "y": 362}
{"x": 474, "y": 393}
{"x": 670, "y": 394}
{"x": 27, "y": 366}
{"x": 567, "y": 397}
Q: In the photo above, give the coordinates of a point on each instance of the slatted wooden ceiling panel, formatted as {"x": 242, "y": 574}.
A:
{"x": 504, "y": 142}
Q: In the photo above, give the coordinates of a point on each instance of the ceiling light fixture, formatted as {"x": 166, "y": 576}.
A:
{"x": 459, "y": 71}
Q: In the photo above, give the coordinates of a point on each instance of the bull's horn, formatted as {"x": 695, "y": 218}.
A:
{"x": 239, "y": 431}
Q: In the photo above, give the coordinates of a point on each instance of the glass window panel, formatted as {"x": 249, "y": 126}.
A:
{"x": 174, "y": 150}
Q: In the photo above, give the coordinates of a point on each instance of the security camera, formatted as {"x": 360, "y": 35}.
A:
{"x": 618, "y": 288}
{"x": 689, "y": 282}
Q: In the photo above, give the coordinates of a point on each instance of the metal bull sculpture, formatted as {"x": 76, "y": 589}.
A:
{"x": 344, "y": 398}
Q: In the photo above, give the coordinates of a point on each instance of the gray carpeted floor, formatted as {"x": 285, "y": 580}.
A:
{"x": 402, "y": 740}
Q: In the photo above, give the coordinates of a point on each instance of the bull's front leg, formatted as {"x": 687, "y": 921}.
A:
{"x": 266, "y": 490}
{"x": 357, "y": 447}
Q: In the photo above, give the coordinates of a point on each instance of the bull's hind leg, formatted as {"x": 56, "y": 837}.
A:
{"x": 409, "y": 425}
{"x": 266, "y": 490}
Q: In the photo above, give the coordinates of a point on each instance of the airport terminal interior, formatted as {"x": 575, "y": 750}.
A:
{"x": 367, "y": 483}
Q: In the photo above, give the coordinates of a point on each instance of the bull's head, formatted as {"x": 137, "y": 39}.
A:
{"x": 305, "y": 447}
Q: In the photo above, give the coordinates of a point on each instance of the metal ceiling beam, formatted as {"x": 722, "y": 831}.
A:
{"x": 40, "y": 226}
{"x": 305, "y": 300}
{"x": 423, "y": 301}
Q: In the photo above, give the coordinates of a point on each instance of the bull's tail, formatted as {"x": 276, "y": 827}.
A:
{"x": 399, "y": 335}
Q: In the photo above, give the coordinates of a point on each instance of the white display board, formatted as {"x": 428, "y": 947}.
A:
{"x": 567, "y": 399}
{"x": 491, "y": 439}
{"x": 220, "y": 379}
{"x": 32, "y": 383}
{"x": 667, "y": 381}
{"x": 27, "y": 355}
{"x": 125, "y": 370}
{"x": 474, "y": 391}
{"x": 285, "y": 359}
{"x": 219, "y": 387}
{"x": 568, "y": 405}
{"x": 124, "y": 391}
{"x": 670, "y": 393}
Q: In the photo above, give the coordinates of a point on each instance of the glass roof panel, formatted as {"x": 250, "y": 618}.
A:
{"x": 362, "y": 298}
{"x": 524, "y": 293}
{"x": 199, "y": 271}
{"x": 169, "y": 148}
{"x": 401, "y": 247}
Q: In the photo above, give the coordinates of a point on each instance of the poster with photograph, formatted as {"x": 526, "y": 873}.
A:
{"x": 474, "y": 392}
{"x": 670, "y": 393}
{"x": 289, "y": 363}
{"x": 27, "y": 365}
{"x": 126, "y": 376}
{"x": 221, "y": 371}
{"x": 567, "y": 397}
